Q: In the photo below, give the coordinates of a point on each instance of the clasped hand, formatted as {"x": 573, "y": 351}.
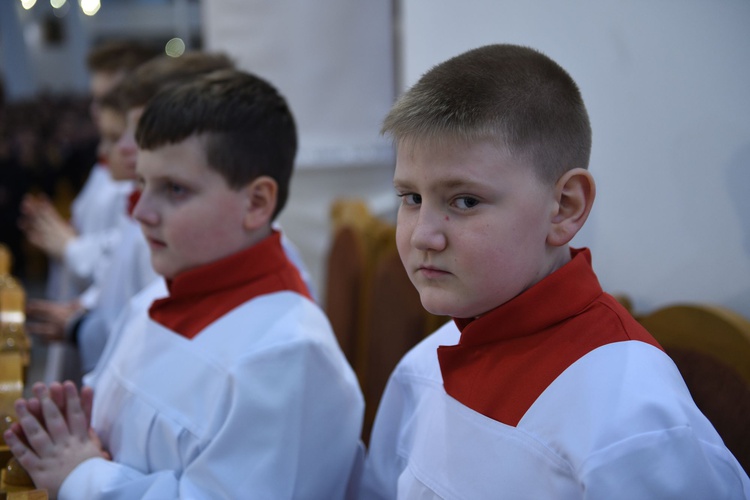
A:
{"x": 44, "y": 227}
{"x": 52, "y": 435}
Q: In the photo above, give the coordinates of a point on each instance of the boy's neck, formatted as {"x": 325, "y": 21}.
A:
{"x": 258, "y": 235}
{"x": 559, "y": 256}
{"x": 254, "y": 238}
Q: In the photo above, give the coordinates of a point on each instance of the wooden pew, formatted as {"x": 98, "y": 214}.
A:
{"x": 12, "y": 311}
{"x": 14, "y": 359}
{"x": 13, "y": 479}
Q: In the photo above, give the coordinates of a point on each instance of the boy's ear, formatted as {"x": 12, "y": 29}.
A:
{"x": 574, "y": 196}
{"x": 261, "y": 197}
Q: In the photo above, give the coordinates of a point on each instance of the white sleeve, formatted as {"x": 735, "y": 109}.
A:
{"x": 672, "y": 463}
{"x": 84, "y": 253}
{"x": 291, "y": 431}
{"x": 90, "y": 297}
{"x": 383, "y": 464}
{"x": 415, "y": 373}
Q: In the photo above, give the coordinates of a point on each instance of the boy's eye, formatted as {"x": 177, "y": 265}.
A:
{"x": 466, "y": 202}
{"x": 174, "y": 189}
{"x": 411, "y": 198}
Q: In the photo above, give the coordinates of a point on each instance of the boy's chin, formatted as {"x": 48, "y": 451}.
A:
{"x": 451, "y": 309}
{"x": 439, "y": 309}
{"x": 165, "y": 272}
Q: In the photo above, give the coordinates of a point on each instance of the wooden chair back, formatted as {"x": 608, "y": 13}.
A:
{"x": 396, "y": 322}
{"x": 356, "y": 244}
{"x": 374, "y": 309}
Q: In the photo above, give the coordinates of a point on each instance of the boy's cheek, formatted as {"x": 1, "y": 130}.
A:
{"x": 403, "y": 238}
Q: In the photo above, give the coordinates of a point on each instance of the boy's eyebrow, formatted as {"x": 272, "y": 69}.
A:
{"x": 445, "y": 183}
{"x": 164, "y": 177}
{"x": 454, "y": 182}
{"x": 399, "y": 183}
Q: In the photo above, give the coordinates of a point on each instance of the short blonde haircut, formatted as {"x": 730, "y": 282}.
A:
{"x": 507, "y": 94}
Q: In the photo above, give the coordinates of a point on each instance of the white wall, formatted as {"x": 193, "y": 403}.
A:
{"x": 333, "y": 61}
{"x": 31, "y": 64}
{"x": 667, "y": 86}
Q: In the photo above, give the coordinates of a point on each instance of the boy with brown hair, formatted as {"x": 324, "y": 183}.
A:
{"x": 543, "y": 386}
{"x": 76, "y": 247}
{"x": 87, "y": 321}
{"x": 233, "y": 386}
{"x": 131, "y": 270}
{"x": 110, "y": 62}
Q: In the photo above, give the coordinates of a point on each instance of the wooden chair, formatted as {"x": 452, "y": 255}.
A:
{"x": 374, "y": 309}
{"x": 357, "y": 242}
{"x": 395, "y": 323}
{"x": 344, "y": 282}
{"x": 711, "y": 347}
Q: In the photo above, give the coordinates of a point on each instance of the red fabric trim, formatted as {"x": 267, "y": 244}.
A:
{"x": 200, "y": 296}
{"x": 508, "y": 357}
{"x": 133, "y": 201}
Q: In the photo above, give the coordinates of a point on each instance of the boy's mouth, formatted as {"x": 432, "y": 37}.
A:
{"x": 154, "y": 243}
{"x": 431, "y": 272}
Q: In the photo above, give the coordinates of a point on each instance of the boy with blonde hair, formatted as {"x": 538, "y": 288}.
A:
{"x": 543, "y": 386}
{"x": 232, "y": 386}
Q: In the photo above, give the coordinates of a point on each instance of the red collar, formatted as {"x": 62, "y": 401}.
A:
{"x": 133, "y": 198}
{"x": 505, "y": 359}
{"x": 560, "y": 295}
{"x": 200, "y": 296}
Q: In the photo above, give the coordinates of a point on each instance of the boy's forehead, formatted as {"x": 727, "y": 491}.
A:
{"x": 111, "y": 113}
{"x": 103, "y": 81}
{"x": 134, "y": 114}
{"x": 454, "y": 161}
{"x": 418, "y": 150}
{"x": 421, "y": 144}
{"x": 185, "y": 157}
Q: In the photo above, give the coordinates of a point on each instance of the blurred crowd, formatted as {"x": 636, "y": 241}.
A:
{"x": 47, "y": 146}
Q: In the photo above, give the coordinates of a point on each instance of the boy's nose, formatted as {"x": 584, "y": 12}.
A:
{"x": 144, "y": 211}
{"x": 428, "y": 234}
{"x": 126, "y": 144}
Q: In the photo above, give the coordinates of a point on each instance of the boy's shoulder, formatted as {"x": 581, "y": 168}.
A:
{"x": 274, "y": 322}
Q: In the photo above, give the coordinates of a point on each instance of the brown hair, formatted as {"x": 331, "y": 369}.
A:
{"x": 512, "y": 95}
{"x": 248, "y": 128}
{"x": 164, "y": 71}
{"x": 117, "y": 56}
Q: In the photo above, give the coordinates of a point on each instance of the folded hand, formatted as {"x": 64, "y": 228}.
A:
{"x": 50, "y": 447}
